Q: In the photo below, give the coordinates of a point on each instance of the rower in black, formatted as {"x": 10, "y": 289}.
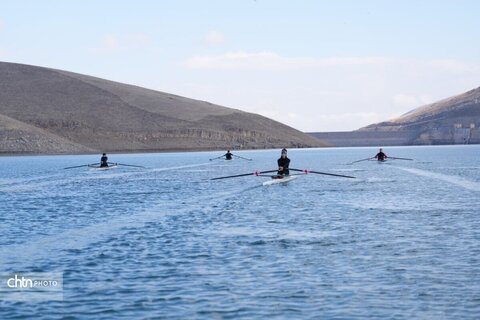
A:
{"x": 381, "y": 156}
{"x": 104, "y": 161}
{"x": 283, "y": 164}
{"x": 228, "y": 155}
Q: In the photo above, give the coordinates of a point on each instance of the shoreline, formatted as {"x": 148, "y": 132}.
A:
{"x": 26, "y": 154}
{"x": 33, "y": 154}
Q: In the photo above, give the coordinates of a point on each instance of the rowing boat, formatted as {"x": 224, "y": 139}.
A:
{"x": 111, "y": 165}
{"x": 103, "y": 168}
{"x": 276, "y": 179}
{"x": 379, "y": 161}
{"x": 279, "y": 180}
{"x": 223, "y": 157}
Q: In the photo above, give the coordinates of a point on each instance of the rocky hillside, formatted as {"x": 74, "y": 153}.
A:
{"x": 44, "y": 110}
{"x": 455, "y": 120}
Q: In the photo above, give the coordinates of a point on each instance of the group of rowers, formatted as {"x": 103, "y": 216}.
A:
{"x": 283, "y": 162}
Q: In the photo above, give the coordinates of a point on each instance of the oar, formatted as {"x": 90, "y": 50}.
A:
{"x": 83, "y": 165}
{"x": 241, "y": 157}
{"x": 256, "y": 173}
{"x": 217, "y": 158}
{"x": 324, "y": 173}
{"x": 360, "y": 160}
{"x": 399, "y": 158}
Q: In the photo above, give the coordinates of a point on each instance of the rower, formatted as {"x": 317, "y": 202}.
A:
{"x": 283, "y": 163}
{"x": 104, "y": 161}
{"x": 228, "y": 155}
{"x": 380, "y": 156}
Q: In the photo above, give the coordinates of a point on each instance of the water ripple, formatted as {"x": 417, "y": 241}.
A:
{"x": 169, "y": 243}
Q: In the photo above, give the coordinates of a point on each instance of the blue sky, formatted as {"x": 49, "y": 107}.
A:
{"x": 315, "y": 65}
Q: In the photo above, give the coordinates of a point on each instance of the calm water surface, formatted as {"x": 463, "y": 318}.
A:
{"x": 402, "y": 241}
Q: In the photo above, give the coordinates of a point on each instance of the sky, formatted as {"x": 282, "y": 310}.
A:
{"x": 314, "y": 65}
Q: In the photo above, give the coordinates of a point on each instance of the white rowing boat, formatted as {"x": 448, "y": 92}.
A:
{"x": 278, "y": 180}
{"x": 103, "y": 168}
{"x": 112, "y": 165}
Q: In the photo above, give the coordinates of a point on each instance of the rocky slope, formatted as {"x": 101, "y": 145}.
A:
{"x": 45, "y": 110}
{"x": 455, "y": 120}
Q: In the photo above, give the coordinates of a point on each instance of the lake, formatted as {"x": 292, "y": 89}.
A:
{"x": 401, "y": 241}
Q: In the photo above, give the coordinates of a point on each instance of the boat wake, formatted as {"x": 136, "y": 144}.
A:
{"x": 349, "y": 170}
{"x": 456, "y": 180}
{"x": 27, "y": 254}
{"x": 376, "y": 180}
{"x": 182, "y": 167}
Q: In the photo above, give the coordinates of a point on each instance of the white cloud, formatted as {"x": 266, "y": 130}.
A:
{"x": 270, "y": 60}
{"x": 330, "y": 94}
{"x": 215, "y": 37}
{"x": 114, "y": 43}
{"x": 345, "y": 121}
{"x": 321, "y": 119}
{"x": 451, "y": 66}
{"x": 109, "y": 43}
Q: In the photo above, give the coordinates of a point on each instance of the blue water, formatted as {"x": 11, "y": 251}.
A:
{"x": 402, "y": 241}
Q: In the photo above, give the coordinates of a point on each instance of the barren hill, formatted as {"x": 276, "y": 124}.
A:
{"x": 455, "y": 120}
{"x": 45, "y": 110}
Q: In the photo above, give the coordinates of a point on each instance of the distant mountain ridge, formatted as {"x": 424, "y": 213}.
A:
{"x": 45, "y": 110}
{"x": 460, "y": 109}
{"x": 455, "y": 120}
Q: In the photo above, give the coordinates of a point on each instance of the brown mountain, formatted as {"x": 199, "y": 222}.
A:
{"x": 455, "y": 120}
{"x": 45, "y": 110}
